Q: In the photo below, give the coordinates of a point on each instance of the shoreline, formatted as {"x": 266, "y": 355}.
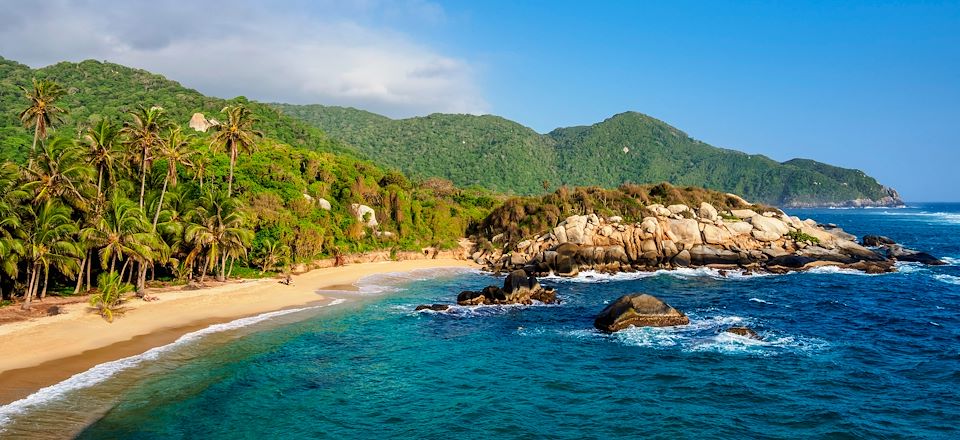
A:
{"x": 45, "y": 351}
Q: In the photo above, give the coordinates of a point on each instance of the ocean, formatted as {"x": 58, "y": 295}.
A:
{"x": 843, "y": 355}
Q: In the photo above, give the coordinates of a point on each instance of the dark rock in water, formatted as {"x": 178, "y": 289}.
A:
{"x": 434, "y": 307}
{"x": 638, "y": 310}
{"x": 682, "y": 259}
{"x": 546, "y": 296}
{"x": 900, "y": 253}
{"x": 517, "y": 280}
{"x": 876, "y": 241}
{"x": 791, "y": 261}
{"x": 494, "y": 295}
{"x": 872, "y": 267}
{"x": 470, "y": 298}
{"x": 746, "y": 332}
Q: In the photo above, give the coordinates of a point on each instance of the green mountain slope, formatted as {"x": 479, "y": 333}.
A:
{"x": 487, "y": 151}
{"x": 628, "y": 147}
{"x": 97, "y": 90}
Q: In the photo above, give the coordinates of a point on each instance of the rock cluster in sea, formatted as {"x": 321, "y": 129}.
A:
{"x": 681, "y": 236}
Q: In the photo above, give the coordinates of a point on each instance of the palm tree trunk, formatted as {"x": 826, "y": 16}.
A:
{"x": 233, "y": 160}
{"x": 89, "y": 268}
{"x": 124, "y": 268}
{"x": 230, "y": 272}
{"x": 36, "y": 136}
{"x": 113, "y": 261}
{"x": 83, "y": 265}
{"x": 100, "y": 181}
{"x": 203, "y": 269}
{"x": 32, "y": 275}
{"x": 143, "y": 176}
{"x": 159, "y": 205}
{"x": 46, "y": 282}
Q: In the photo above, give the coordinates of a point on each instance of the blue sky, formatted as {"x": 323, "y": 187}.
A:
{"x": 869, "y": 85}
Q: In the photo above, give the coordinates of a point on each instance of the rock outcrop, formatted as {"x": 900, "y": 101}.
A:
{"x": 518, "y": 288}
{"x": 894, "y": 251}
{"x": 746, "y": 332}
{"x": 433, "y": 307}
{"x": 199, "y": 122}
{"x": 677, "y": 236}
{"x": 364, "y": 214}
{"x": 638, "y": 310}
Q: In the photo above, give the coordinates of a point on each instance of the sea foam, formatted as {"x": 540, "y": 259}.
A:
{"x": 106, "y": 370}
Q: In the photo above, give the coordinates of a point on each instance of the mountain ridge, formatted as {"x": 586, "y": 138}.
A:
{"x": 628, "y": 147}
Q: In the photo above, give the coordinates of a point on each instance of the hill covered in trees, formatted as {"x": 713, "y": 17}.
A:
{"x": 630, "y": 147}
{"x": 103, "y": 185}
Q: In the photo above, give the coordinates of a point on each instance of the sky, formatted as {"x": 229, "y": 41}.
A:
{"x": 867, "y": 85}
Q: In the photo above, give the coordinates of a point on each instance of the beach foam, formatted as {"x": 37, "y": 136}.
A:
{"x": 107, "y": 370}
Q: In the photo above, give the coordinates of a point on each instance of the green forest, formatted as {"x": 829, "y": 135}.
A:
{"x": 105, "y": 189}
{"x": 630, "y": 147}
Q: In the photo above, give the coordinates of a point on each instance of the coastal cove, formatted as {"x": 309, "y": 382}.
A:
{"x": 841, "y": 352}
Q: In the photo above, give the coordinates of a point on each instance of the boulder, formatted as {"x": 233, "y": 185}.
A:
{"x": 900, "y": 253}
{"x": 872, "y": 267}
{"x": 364, "y": 214}
{"x": 743, "y": 213}
{"x": 434, "y": 307}
{"x": 765, "y": 236}
{"x": 678, "y": 209}
{"x": 746, "y": 332}
{"x": 702, "y": 255}
{"x": 707, "y": 211}
{"x": 682, "y": 259}
{"x": 715, "y": 235}
{"x": 659, "y": 210}
{"x": 790, "y": 261}
{"x": 876, "y": 241}
{"x": 638, "y": 310}
{"x": 470, "y": 298}
{"x": 739, "y": 228}
{"x": 769, "y": 224}
{"x": 324, "y": 204}
{"x": 199, "y": 122}
{"x": 686, "y": 230}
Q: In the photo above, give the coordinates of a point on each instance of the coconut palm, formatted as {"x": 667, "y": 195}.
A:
{"x": 100, "y": 141}
{"x": 234, "y": 136}
{"x": 48, "y": 243}
{"x": 122, "y": 234}
{"x": 43, "y": 112}
{"x": 273, "y": 253}
{"x": 110, "y": 292}
{"x": 11, "y": 232}
{"x": 59, "y": 172}
{"x": 217, "y": 232}
{"x": 144, "y": 135}
{"x": 176, "y": 151}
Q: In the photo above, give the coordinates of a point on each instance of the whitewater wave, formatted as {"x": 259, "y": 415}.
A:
{"x": 706, "y": 335}
{"x": 459, "y": 311}
{"x": 590, "y": 276}
{"x": 952, "y": 218}
{"x": 106, "y": 370}
{"x": 761, "y": 301}
{"x": 949, "y": 279}
{"x": 836, "y": 270}
{"x": 952, "y": 261}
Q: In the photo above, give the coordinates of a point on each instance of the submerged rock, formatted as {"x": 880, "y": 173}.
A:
{"x": 746, "y": 332}
{"x": 638, "y": 310}
{"x": 434, "y": 307}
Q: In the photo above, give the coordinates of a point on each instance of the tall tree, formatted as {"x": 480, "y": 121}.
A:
{"x": 102, "y": 152}
{"x": 144, "y": 135}
{"x": 235, "y": 135}
{"x": 217, "y": 231}
{"x": 49, "y": 243}
{"x": 59, "y": 172}
{"x": 43, "y": 112}
{"x": 176, "y": 151}
{"x": 122, "y": 233}
{"x": 11, "y": 230}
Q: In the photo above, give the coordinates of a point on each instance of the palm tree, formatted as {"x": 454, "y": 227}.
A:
{"x": 273, "y": 253}
{"x": 110, "y": 292}
{"x": 121, "y": 234}
{"x": 217, "y": 228}
{"x": 102, "y": 153}
{"x": 43, "y": 112}
{"x": 49, "y": 244}
{"x": 143, "y": 136}
{"x": 176, "y": 150}
{"x": 11, "y": 232}
{"x": 59, "y": 172}
{"x": 235, "y": 136}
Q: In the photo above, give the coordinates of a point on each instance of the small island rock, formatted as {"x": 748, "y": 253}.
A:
{"x": 638, "y": 310}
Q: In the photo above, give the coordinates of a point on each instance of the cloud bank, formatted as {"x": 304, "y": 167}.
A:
{"x": 289, "y": 51}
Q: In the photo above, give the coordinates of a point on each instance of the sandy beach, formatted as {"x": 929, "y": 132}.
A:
{"x": 47, "y": 350}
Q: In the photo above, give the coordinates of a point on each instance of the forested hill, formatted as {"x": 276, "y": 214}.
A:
{"x": 629, "y": 147}
{"x": 97, "y": 90}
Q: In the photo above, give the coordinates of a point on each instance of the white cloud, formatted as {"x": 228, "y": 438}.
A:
{"x": 291, "y": 51}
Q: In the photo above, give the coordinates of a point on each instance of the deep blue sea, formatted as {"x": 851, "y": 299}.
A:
{"x": 844, "y": 355}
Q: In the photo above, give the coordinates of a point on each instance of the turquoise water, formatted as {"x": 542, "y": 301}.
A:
{"x": 844, "y": 355}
